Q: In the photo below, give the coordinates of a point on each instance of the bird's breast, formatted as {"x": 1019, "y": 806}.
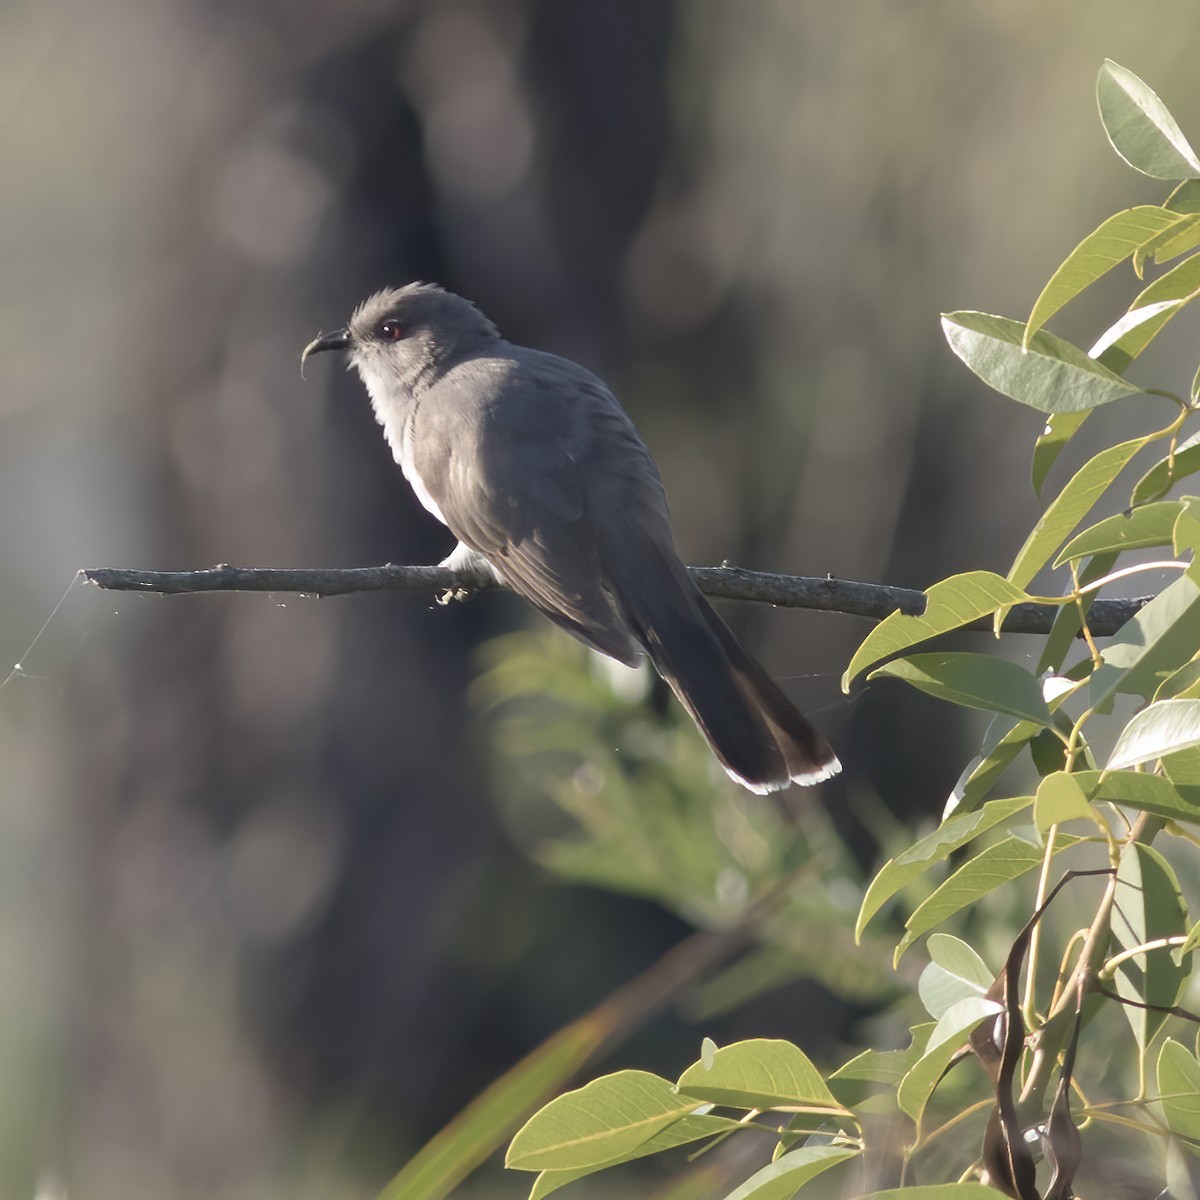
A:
{"x": 404, "y": 456}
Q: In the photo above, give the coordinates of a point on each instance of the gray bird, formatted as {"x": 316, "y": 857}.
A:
{"x": 542, "y": 477}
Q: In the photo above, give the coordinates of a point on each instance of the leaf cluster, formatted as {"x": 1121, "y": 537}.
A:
{"x": 1048, "y": 1037}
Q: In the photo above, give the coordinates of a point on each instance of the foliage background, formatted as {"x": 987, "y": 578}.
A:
{"x": 260, "y": 927}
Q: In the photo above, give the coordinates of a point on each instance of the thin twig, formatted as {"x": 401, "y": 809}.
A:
{"x": 874, "y": 600}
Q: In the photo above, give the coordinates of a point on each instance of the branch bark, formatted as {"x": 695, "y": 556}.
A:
{"x": 873, "y": 600}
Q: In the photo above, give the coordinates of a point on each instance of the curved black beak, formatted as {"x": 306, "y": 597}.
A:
{"x": 339, "y": 339}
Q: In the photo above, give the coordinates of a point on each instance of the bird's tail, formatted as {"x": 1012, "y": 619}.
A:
{"x": 761, "y": 738}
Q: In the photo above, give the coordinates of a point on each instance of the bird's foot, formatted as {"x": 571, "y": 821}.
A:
{"x": 467, "y": 563}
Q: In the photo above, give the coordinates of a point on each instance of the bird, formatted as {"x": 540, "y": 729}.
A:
{"x": 537, "y": 470}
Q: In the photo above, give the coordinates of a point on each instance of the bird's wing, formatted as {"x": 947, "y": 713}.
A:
{"x": 521, "y": 458}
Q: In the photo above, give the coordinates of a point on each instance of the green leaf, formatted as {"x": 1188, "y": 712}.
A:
{"x": 991, "y": 868}
{"x": 760, "y": 1073}
{"x": 1069, "y": 507}
{"x": 1158, "y": 480}
{"x": 1149, "y": 907}
{"x": 1177, "y": 241}
{"x": 963, "y": 1014}
{"x": 954, "y": 833}
{"x": 1051, "y": 374}
{"x": 783, "y": 1178}
{"x": 920, "y": 1080}
{"x": 950, "y": 604}
{"x": 1190, "y": 942}
{"x": 1003, "y": 740}
{"x": 1170, "y": 243}
{"x": 1179, "y": 1091}
{"x": 484, "y": 1125}
{"x": 1150, "y": 525}
{"x": 1158, "y": 730}
{"x": 1060, "y": 798}
{"x": 1151, "y": 645}
{"x": 973, "y": 681}
{"x": 954, "y": 956}
{"x": 941, "y": 990}
{"x": 598, "y": 1123}
{"x": 1113, "y": 242}
{"x": 1183, "y": 770}
{"x": 686, "y": 1130}
{"x": 878, "y": 1066}
{"x": 1140, "y": 128}
{"x": 1185, "y": 537}
{"x": 1060, "y": 429}
{"x": 1148, "y": 315}
{"x": 1183, "y": 684}
{"x": 1185, "y": 198}
{"x": 1147, "y": 793}
{"x": 938, "y": 1191}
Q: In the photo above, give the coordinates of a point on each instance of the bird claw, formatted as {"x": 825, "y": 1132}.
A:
{"x": 450, "y": 595}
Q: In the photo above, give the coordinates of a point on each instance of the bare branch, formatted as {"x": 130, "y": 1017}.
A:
{"x": 874, "y": 600}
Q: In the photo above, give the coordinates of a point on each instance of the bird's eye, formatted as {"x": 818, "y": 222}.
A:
{"x": 391, "y": 331}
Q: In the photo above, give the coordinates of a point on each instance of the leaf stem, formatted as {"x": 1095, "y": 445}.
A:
{"x": 1028, "y": 1006}
{"x": 1169, "y": 564}
{"x": 1109, "y": 968}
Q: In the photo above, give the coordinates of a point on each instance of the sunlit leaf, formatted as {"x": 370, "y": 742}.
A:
{"x": 1150, "y": 525}
{"x": 981, "y": 874}
{"x": 963, "y": 1014}
{"x": 781, "y": 1179}
{"x": 973, "y": 681}
{"x": 1183, "y": 770}
{"x": 950, "y": 604}
{"x": 1069, "y": 507}
{"x": 1112, "y": 243}
{"x": 1152, "y": 644}
{"x": 1158, "y": 730}
{"x": 954, "y": 833}
{"x": 1185, "y": 537}
{"x": 940, "y": 990}
{"x": 1158, "y": 480}
{"x": 1185, "y": 198}
{"x": 1177, "y": 241}
{"x": 1148, "y": 315}
{"x": 1140, "y": 128}
{"x": 761, "y": 1073}
{"x": 920, "y": 1080}
{"x": 1183, "y": 684}
{"x": 1191, "y": 942}
{"x": 955, "y": 956}
{"x": 1179, "y": 1091}
{"x": 598, "y": 1123}
{"x": 1050, "y": 374}
{"x": 880, "y": 1066}
{"x": 1060, "y": 798}
{"x": 683, "y": 1132}
{"x": 1170, "y": 243}
{"x": 1145, "y": 792}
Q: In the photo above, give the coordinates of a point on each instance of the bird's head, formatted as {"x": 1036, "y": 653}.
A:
{"x": 403, "y": 338}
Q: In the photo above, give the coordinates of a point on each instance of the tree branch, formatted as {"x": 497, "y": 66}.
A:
{"x": 874, "y": 600}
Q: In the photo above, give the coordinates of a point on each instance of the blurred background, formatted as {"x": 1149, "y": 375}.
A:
{"x": 266, "y": 918}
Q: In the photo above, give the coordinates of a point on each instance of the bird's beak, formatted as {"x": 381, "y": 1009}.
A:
{"x": 339, "y": 339}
